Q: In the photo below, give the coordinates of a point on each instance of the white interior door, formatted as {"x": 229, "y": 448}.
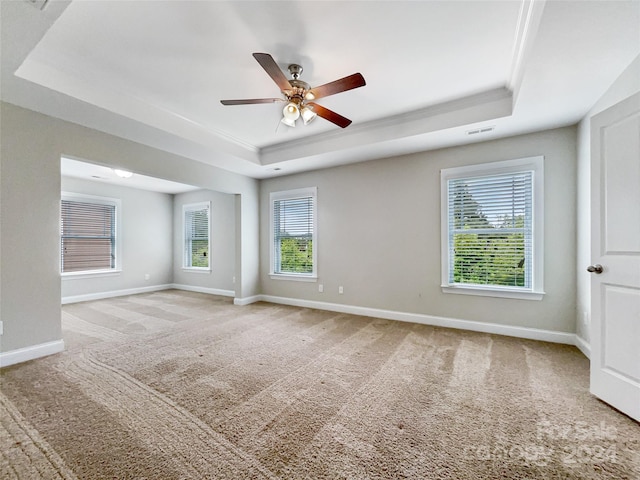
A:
{"x": 615, "y": 248}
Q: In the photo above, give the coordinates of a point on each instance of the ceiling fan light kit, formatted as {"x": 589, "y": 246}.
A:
{"x": 290, "y": 113}
{"x": 308, "y": 115}
{"x": 297, "y": 93}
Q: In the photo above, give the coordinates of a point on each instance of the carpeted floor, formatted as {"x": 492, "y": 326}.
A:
{"x": 180, "y": 385}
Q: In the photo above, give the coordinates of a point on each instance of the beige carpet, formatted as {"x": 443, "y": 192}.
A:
{"x": 179, "y": 385}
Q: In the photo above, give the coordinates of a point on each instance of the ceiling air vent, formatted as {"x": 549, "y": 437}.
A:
{"x": 39, "y": 4}
{"x": 481, "y": 130}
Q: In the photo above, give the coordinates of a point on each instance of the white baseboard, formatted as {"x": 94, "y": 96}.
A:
{"x": 30, "y": 353}
{"x": 508, "y": 330}
{"x": 154, "y": 288}
{"x": 498, "y": 329}
{"x": 248, "y": 300}
{"x": 114, "y": 293}
{"x": 583, "y": 346}
{"x": 210, "y": 291}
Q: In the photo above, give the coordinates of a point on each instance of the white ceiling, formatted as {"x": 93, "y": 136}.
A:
{"x": 99, "y": 173}
{"x": 154, "y": 72}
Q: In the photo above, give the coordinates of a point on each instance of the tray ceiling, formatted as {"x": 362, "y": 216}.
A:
{"x": 155, "y": 71}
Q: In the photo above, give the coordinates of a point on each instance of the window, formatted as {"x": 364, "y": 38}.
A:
{"x": 492, "y": 229}
{"x": 88, "y": 234}
{"x": 196, "y": 236}
{"x": 293, "y": 234}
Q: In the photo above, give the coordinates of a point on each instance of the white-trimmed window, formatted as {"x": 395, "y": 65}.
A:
{"x": 492, "y": 229}
{"x": 294, "y": 243}
{"x": 89, "y": 230}
{"x": 197, "y": 236}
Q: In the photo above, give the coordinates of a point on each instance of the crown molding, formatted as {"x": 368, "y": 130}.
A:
{"x": 73, "y": 84}
{"x": 526, "y": 30}
{"x": 482, "y": 106}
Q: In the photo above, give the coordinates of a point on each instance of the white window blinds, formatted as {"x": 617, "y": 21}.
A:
{"x": 293, "y": 234}
{"x": 88, "y": 236}
{"x": 490, "y": 230}
{"x": 196, "y": 235}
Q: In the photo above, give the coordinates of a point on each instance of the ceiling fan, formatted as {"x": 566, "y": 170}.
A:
{"x": 298, "y": 94}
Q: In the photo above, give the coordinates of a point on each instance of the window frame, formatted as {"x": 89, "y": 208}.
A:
{"x": 190, "y": 207}
{"x": 528, "y": 164}
{"x": 308, "y": 192}
{"x": 117, "y": 248}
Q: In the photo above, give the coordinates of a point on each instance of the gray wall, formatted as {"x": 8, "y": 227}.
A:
{"x": 31, "y": 147}
{"x": 223, "y": 234}
{"x": 626, "y": 85}
{"x": 379, "y": 234}
{"x": 29, "y": 210}
{"x": 147, "y": 248}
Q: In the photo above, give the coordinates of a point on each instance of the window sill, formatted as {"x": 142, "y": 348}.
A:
{"x": 196, "y": 270}
{"x": 89, "y": 274}
{"x": 295, "y": 278}
{"x": 492, "y": 292}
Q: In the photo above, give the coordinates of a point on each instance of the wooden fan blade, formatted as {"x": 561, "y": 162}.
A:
{"x": 251, "y": 101}
{"x": 330, "y": 115}
{"x": 270, "y": 66}
{"x": 347, "y": 83}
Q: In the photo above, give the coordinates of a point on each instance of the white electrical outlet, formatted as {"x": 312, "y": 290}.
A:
{"x": 1, "y": 330}
{"x": 340, "y": 290}
{"x": 147, "y": 276}
{"x": 321, "y": 288}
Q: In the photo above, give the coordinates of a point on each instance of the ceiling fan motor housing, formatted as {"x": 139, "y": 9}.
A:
{"x": 299, "y": 88}
{"x": 298, "y": 91}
